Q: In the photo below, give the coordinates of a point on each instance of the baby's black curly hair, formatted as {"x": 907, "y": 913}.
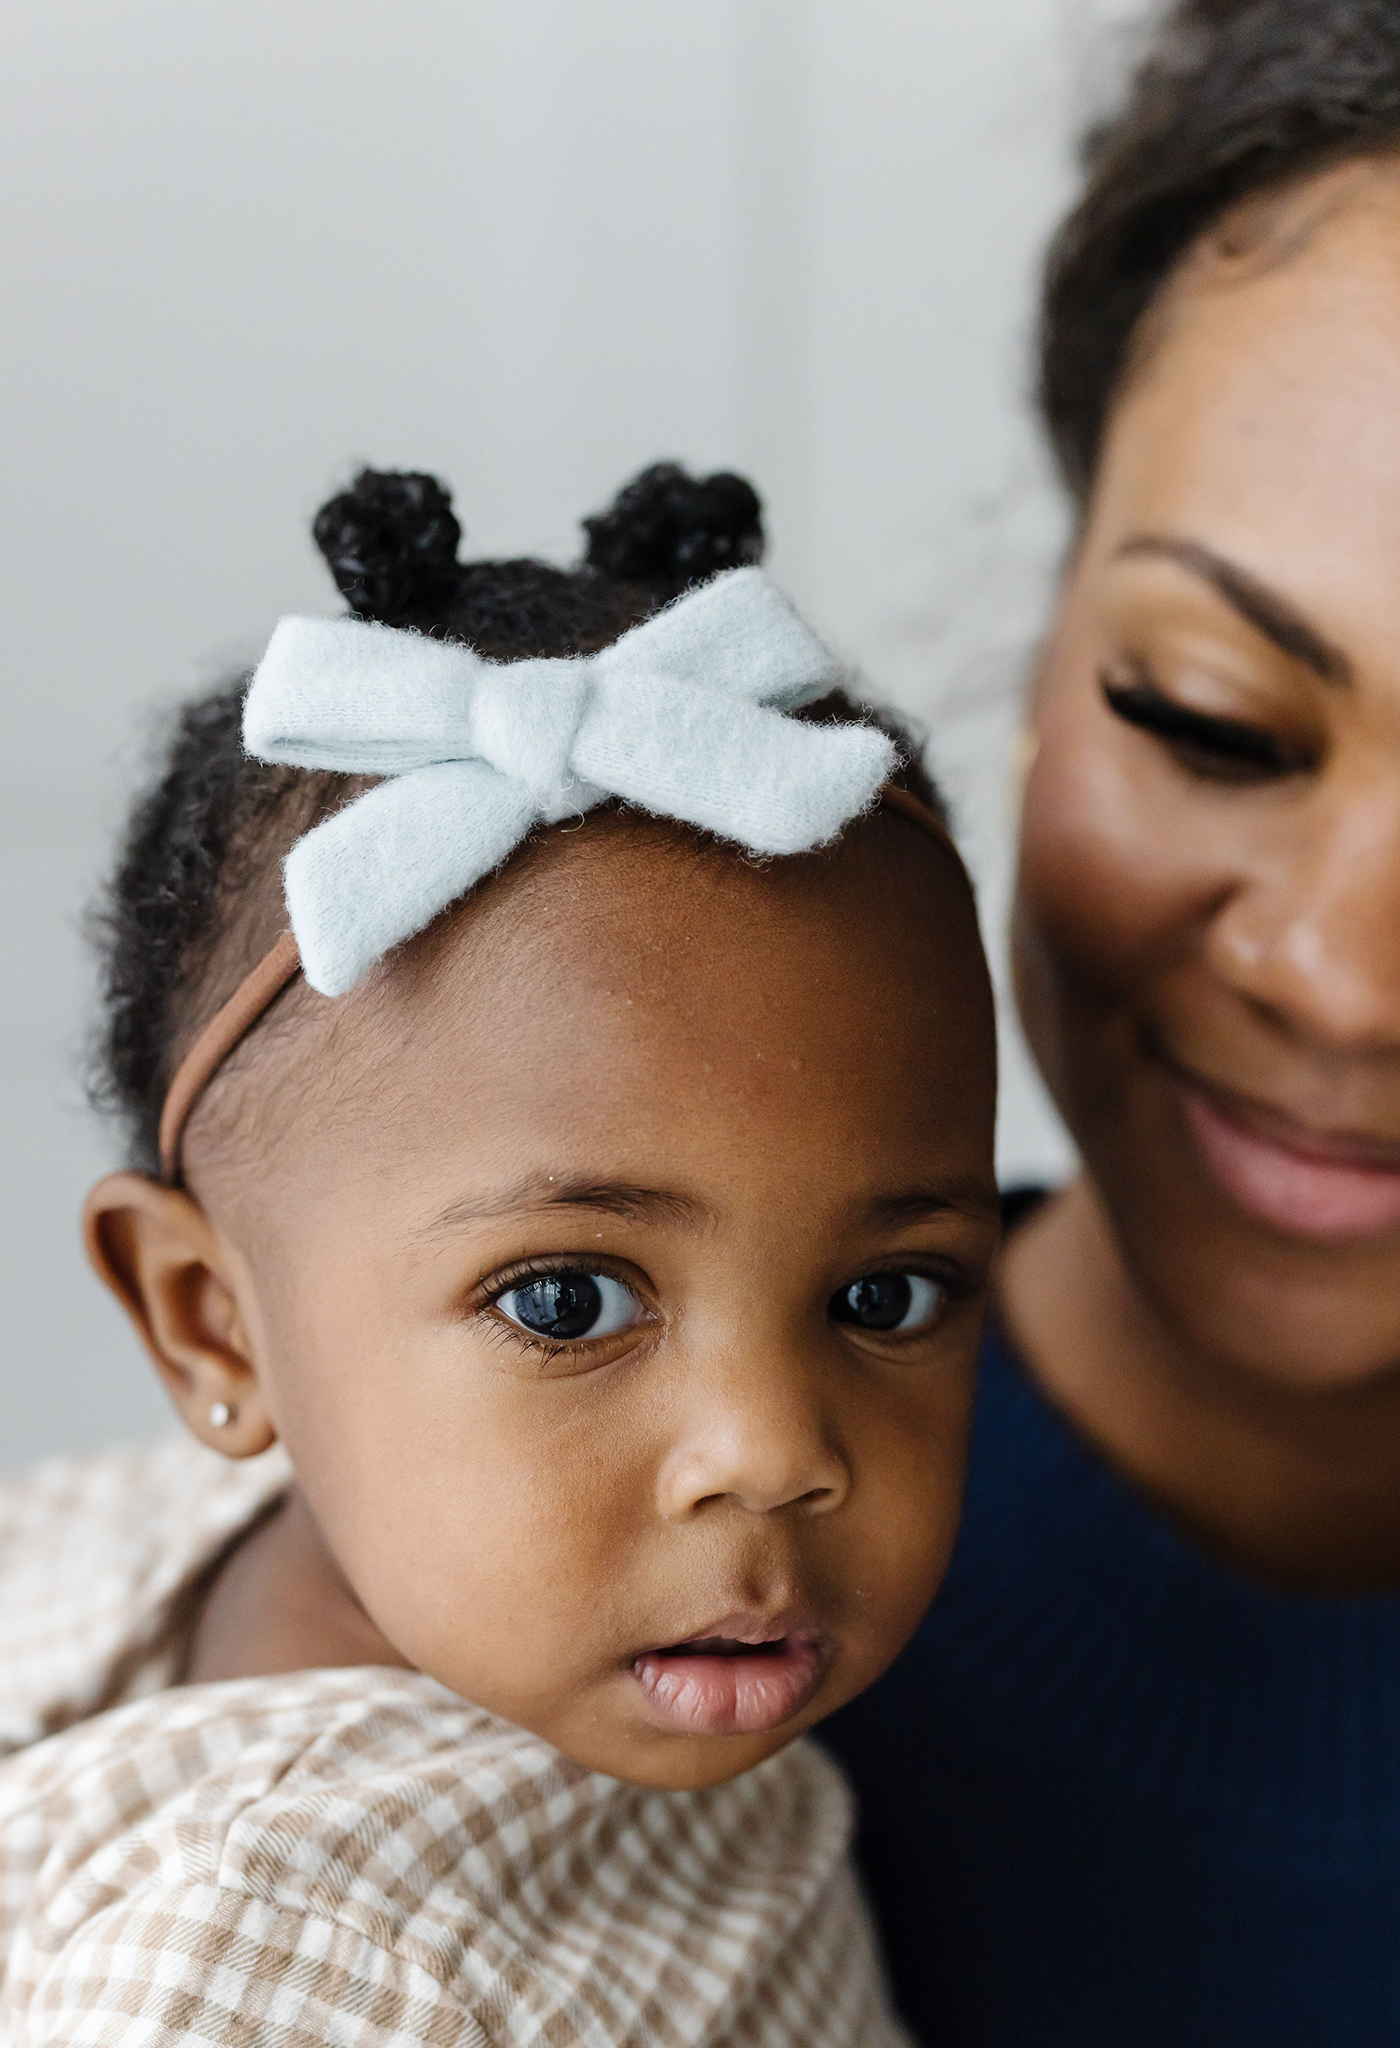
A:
{"x": 1234, "y": 97}
{"x": 196, "y": 895}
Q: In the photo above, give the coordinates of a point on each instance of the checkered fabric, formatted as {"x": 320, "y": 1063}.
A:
{"x": 97, "y": 1556}
{"x": 359, "y": 1859}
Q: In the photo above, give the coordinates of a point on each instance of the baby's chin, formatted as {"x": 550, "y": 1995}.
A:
{"x": 664, "y": 1761}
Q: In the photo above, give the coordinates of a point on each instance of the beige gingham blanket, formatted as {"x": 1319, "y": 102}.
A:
{"x": 358, "y": 1857}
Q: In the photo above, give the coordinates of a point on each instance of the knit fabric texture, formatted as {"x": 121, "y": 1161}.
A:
{"x": 683, "y": 717}
{"x": 1114, "y": 1796}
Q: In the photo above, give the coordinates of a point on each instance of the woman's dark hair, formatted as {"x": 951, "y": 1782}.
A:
{"x": 1234, "y": 97}
{"x": 197, "y": 889}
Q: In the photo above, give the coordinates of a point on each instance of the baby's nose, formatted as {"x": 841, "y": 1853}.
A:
{"x": 753, "y": 1434}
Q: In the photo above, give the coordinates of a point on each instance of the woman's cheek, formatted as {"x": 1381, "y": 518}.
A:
{"x": 1115, "y": 868}
{"x": 1104, "y": 908}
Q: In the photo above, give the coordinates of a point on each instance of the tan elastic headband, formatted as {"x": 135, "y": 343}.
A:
{"x": 258, "y": 991}
{"x": 228, "y": 1027}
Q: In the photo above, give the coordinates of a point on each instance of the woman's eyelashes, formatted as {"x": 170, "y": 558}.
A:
{"x": 891, "y": 1304}
{"x": 1217, "y": 749}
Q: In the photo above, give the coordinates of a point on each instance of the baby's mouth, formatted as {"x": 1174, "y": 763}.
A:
{"x": 740, "y": 1677}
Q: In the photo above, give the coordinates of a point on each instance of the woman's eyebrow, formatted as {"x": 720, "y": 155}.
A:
{"x": 1267, "y": 611}
{"x": 539, "y": 1193}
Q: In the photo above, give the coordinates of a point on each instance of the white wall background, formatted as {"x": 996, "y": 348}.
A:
{"x": 531, "y": 245}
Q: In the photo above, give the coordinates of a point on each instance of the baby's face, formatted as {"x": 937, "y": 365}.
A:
{"x": 619, "y": 1303}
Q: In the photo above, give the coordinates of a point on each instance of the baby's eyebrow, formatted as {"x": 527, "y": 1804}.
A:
{"x": 962, "y": 1192}
{"x": 543, "y": 1192}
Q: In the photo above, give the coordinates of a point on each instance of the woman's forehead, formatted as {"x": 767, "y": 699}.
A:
{"x": 1344, "y": 219}
{"x": 1266, "y": 427}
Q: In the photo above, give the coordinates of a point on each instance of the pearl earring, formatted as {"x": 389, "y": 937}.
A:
{"x": 222, "y": 1414}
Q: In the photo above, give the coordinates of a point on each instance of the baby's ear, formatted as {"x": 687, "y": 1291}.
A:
{"x": 182, "y": 1287}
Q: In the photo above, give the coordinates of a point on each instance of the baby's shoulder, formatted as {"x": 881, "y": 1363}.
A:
{"x": 364, "y": 1835}
{"x": 94, "y": 1553}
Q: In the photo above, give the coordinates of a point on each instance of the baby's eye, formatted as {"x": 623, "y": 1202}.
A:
{"x": 906, "y": 1302}
{"x": 567, "y": 1306}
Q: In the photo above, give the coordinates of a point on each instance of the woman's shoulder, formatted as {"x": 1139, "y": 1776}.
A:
{"x": 95, "y": 1553}
{"x": 335, "y": 1838}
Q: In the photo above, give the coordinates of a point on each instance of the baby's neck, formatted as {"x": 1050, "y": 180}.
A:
{"x": 279, "y": 1603}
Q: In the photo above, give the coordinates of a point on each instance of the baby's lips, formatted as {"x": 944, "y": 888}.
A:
{"x": 737, "y": 1676}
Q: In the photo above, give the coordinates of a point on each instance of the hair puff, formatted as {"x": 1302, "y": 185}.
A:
{"x": 391, "y": 543}
{"x": 669, "y": 529}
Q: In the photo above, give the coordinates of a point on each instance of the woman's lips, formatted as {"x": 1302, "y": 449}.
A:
{"x": 737, "y": 1678}
{"x": 1307, "y": 1184}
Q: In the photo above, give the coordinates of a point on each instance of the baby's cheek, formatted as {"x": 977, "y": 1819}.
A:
{"x": 472, "y": 1528}
{"x": 490, "y": 1581}
{"x": 911, "y": 1463}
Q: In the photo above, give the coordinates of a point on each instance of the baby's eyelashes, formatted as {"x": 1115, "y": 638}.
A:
{"x": 891, "y": 1304}
{"x": 568, "y": 1307}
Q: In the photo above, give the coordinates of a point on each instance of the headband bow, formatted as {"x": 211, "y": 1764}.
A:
{"x": 683, "y": 717}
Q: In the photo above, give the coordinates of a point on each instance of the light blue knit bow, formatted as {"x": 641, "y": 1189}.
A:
{"x": 683, "y": 716}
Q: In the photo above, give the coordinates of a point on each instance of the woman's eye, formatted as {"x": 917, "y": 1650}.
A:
{"x": 567, "y": 1306}
{"x": 887, "y": 1302}
{"x": 1223, "y": 749}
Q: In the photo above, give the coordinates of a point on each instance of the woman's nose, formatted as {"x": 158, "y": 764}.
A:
{"x": 752, "y": 1434}
{"x": 1315, "y": 939}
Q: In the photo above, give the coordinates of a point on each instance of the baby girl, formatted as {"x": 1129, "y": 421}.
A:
{"x": 565, "y": 1247}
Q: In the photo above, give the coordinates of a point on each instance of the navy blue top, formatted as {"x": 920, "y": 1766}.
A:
{"x": 1114, "y": 1796}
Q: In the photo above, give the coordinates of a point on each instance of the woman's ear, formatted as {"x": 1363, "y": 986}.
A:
{"x": 162, "y": 1258}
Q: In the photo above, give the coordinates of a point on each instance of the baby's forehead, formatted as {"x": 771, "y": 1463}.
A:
{"x": 629, "y": 956}
{"x": 581, "y": 905}
{"x": 626, "y": 978}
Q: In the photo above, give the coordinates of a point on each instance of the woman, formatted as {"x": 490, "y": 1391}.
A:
{"x": 1137, "y": 1780}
